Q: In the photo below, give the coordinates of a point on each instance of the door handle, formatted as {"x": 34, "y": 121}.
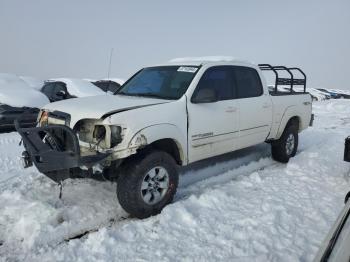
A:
{"x": 266, "y": 106}
{"x": 231, "y": 109}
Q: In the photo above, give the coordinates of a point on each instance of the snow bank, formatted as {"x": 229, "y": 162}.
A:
{"x": 80, "y": 88}
{"x": 15, "y": 92}
{"x": 239, "y": 207}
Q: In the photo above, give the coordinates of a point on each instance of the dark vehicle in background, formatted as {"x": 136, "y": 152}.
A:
{"x": 66, "y": 88}
{"x": 343, "y": 93}
{"x": 109, "y": 85}
{"x": 27, "y": 117}
{"x": 332, "y": 94}
{"x": 18, "y": 101}
{"x": 56, "y": 91}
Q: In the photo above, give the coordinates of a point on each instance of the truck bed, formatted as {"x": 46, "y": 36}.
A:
{"x": 286, "y": 105}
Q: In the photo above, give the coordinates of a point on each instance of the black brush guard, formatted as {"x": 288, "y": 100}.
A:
{"x": 53, "y": 150}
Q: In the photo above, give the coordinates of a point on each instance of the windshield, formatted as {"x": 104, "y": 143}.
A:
{"x": 165, "y": 82}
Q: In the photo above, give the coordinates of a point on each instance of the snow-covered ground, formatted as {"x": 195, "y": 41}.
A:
{"x": 239, "y": 207}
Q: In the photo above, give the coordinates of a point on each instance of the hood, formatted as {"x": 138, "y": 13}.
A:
{"x": 19, "y": 97}
{"x": 32, "y": 82}
{"x": 15, "y": 92}
{"x": 96, "y": 107}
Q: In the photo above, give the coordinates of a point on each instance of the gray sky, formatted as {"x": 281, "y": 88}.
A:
{"x": 73, "y": 38}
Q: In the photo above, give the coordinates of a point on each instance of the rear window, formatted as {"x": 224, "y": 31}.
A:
{"x": 248, "y": 82}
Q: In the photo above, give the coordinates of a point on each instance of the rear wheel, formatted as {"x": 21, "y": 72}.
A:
{"x": 286, "y": 147}
{"x": 147, "y": 183}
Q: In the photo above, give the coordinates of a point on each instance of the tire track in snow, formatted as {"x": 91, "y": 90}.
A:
{"x": 200, "y": 172}
{"x": 210, "y": 173}
{"x": 191, "y": 176}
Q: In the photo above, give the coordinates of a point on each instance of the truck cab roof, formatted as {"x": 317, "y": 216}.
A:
{"x": 200, "y": 61}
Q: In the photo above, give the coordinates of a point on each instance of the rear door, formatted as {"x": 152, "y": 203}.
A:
{"x": 213, "y": 125}
{"x": 255, "y": 107}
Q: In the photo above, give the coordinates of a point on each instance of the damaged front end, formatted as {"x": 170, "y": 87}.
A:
{"x": 54, "y": 148}
{"x": 93, "y": 148}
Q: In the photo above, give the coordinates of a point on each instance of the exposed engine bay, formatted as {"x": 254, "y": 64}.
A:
{"x": 93, "y": 135}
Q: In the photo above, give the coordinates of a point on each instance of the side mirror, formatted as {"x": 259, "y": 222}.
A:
{"x": 347, "y": 150}
{"x": 205, "y": 95}
{"x": 61, "y": 93}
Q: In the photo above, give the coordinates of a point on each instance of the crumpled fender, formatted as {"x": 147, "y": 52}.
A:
{"x": 150, "y": 134}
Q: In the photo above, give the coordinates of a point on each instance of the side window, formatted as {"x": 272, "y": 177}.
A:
{"x": 219, "y": 79}
{"x": 248, "y": 82}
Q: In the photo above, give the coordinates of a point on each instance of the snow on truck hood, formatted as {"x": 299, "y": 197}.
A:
{"x": 22, "y": 98}
{"x": 15, "y": 92}
{"x": 96, "y": 107}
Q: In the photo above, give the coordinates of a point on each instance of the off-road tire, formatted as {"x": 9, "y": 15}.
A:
{"x": 278, "y": 147}
{"x": 131, "y": 177}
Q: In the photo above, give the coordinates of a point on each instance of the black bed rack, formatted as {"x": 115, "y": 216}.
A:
{"x": 283, "y": 81}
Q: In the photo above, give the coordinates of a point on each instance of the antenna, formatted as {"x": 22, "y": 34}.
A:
{"x": 110, "y": 63}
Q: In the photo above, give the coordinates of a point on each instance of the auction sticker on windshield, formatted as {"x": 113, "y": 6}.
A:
{"x": 187, "y": 69}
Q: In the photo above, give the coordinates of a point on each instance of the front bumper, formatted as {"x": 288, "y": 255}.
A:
{"x": 54, "y": 148}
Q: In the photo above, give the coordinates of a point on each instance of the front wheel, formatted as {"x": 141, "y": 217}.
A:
{"x": 285, "y": 147}
{"x": 147, "y": 183}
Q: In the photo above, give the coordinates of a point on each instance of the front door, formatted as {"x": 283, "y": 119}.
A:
{"x": 213, "y": 125}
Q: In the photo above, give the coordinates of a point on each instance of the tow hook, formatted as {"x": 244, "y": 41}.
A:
{"x": 26, "y": 160}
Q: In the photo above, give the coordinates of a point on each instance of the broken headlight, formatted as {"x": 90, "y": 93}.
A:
{"x": 99, "y": 132}
{"x": 116, "y": 135}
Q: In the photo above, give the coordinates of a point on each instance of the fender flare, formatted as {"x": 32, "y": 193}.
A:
{"x": 288, "y": 114}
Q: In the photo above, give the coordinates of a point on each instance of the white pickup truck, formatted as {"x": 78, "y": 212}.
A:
{"x": 163, "y": 117}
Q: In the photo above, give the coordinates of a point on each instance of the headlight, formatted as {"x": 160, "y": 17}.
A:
{"x": 44, "y": 118}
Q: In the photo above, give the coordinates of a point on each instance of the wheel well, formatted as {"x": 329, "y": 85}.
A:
{"x": 295, "y": 120}
{"x": 168, "y": 145}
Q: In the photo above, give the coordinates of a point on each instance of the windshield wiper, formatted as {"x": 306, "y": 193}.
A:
{"x": 125, "y": 94}
{"x": 157, "y": 96}
{"x": 147, "y": 95}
